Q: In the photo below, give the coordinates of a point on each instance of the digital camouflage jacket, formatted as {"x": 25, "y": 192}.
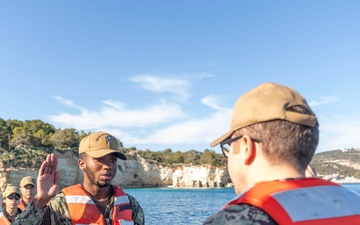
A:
{"x": 56, "y": 212}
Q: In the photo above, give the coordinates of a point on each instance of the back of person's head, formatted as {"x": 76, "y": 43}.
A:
{"x": 281, "y": 118}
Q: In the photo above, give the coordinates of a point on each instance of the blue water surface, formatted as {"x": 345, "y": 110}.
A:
{"x": 186, "y": 205}
{"x": 353, "y": 186}
{"x": 180, "y": 205}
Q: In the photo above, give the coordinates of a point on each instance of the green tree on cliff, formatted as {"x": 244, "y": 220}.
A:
{"x": 39, "y": 132}
{"x": 65, "y": 138}
{"x": 36, "y": 134}
{"x": 19, "y": 137}
{"x": 211, "y": 157}
{"x": 5, "y": 134}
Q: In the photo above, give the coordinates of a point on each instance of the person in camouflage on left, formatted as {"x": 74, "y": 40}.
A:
{"x": 48, "y": 184}
{"x": 104, "y": 203}
{"x": 57, "y": 211}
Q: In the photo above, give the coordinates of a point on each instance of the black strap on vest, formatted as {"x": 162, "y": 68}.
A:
{"x": 124, "y": 207}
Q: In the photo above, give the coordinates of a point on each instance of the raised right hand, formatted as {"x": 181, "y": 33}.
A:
{"x": 48, "y": 181}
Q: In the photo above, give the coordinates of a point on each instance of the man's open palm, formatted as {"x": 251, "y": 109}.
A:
{"x": 48, "y": 181}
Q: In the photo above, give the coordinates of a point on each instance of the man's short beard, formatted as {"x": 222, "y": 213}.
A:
{"x": 91, "y": 177}
{"x": 103, "y": 185}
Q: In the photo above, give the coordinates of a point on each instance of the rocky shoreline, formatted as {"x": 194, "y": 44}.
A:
{"x": 347, "y": 181}
{"x": 136, "y": 172}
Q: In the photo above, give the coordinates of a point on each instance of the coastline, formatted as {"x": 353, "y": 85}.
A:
{"x": 346, "y": 181}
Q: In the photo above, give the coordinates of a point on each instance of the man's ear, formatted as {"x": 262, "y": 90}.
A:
{"x": 82, "y": 164}
{"x": 249, "y": 152}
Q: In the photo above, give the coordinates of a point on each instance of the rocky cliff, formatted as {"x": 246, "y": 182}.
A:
{"x": 342, "y": 163}
{"x": 134, "y": 172}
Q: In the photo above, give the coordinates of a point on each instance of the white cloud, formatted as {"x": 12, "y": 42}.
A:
{"x": 175, "y": 86}
{"x": 212, "y": 101}
{"x": 165, "y": 124}
{"x": 150, "y": 125}
{"x": 337, "y": 133}
{"x": 115, "y": 114}
{"x": 323, "y": 101}
{"x": 115, "y": 104}
{"x": 68, "y": 103}
{"x": 206, "y": 75}
{"x": 198, "y": 131}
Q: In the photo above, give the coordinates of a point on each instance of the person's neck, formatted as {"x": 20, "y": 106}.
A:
{"x": 26, "y": 201}
{"x": 270, "y": 173}
{"x": 12, "y": 211}
{"x": 98, "y": 193}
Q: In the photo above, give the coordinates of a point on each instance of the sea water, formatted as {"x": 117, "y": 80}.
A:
{"x": 186, "y": 205}
{"x": 180, "y": 205}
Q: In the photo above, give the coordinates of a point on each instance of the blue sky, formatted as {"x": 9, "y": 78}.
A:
{"x": 166, "y": 74}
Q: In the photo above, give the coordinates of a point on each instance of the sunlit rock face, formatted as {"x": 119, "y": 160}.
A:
{"x": 134, "y": 172}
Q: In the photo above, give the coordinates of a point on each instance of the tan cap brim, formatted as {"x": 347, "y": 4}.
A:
{"x": 28, "y": 183}
{"x": 220, "y": 139}
{"x": 101, "y": 153}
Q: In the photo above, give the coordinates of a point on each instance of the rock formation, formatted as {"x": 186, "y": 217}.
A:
{"x": 136, "y": 172}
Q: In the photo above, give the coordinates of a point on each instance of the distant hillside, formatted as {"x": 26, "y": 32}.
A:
{"x": 342, "y": 162}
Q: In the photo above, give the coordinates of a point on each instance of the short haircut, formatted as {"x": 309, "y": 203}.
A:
{"x": 285, "y": 142}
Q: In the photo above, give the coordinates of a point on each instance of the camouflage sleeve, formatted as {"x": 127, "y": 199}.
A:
{"x": 240, "y": 214}
{"x": 57, "y": 212}
{"x": 137, "y": 211}
{"x": 30, "y": 216}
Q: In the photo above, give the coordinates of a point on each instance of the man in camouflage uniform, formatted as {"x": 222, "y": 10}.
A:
{"x": 98, "y": 160}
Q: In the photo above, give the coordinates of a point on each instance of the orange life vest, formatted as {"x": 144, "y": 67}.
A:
{"x": 307, "y": 201}
{"x": 83, "y": 210}
{"x": 4, "y": 220}
{"x": 21, "y": 205}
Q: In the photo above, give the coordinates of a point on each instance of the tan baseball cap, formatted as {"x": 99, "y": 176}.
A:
{"x": 27, "y": 180}
{"x": 269, "y": 101}
{"x": 99, "y": 144}
{"x": 11, "y": 189}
